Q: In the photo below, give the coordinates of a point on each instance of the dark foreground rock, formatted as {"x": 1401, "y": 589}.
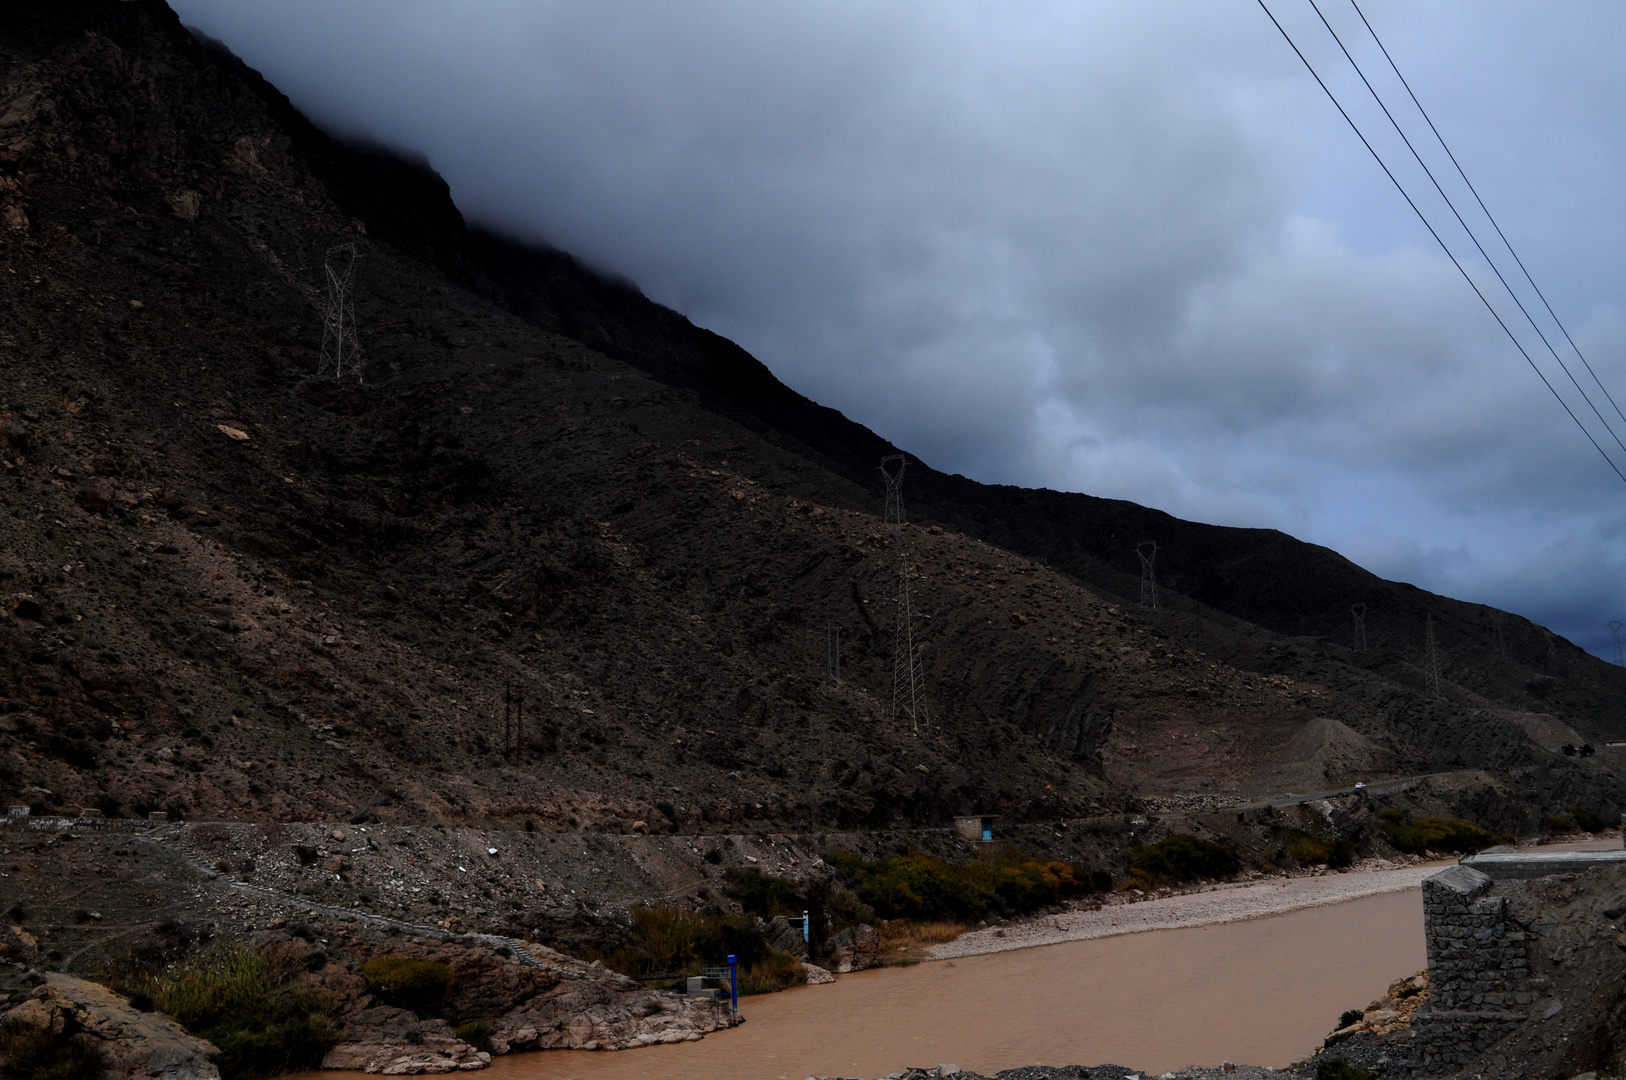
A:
{"x": 132, "y": 1045}
{"x": 1225, "y": 1071}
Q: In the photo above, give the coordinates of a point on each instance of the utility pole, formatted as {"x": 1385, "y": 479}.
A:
{"x": 1614, "y": 628}
{"x": 1147, "y": 550}
{"x": 908, "y": 685}
{"x": 1431, "y": 659}
{"x": 1359, "y": 612}
{"x": 892, "y": 472}
{"x": 341, "y": 350}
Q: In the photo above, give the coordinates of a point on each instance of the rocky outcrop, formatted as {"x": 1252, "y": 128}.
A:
{"x": 603, "y": 1015}
{"x": 395, "y": 1042}
{"x": 134, "y": 1045}
{"x": 854, "y": 949}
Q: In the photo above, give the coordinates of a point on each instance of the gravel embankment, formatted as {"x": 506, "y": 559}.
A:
{"x": 1231, "y": 902}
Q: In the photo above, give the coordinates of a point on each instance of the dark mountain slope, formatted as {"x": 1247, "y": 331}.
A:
{"x": 234, "y": 589}
{"x": 1259, "y": 575}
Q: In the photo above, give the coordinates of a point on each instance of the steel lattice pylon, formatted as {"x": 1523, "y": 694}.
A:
{"x": 1359, "y": 613}
{"x": 908, "y": 685}
{"x": 1431, "y": 659}
{"x": 341, "y": 349}
{"x": 1614, "y": 627}
{"x": 1147, "y": 550}
{"x": 894, "y": 488}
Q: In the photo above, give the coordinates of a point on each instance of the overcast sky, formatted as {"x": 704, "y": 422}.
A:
{"x": 1128, "y": 249}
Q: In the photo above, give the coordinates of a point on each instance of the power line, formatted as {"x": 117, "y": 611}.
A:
{"x": 1431, "y": 231}
{"x": 1466, "y": 227}
{"x": 1491, "y": 217}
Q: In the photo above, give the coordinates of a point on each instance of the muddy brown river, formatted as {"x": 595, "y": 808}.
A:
{"x": 1263, "y": 992}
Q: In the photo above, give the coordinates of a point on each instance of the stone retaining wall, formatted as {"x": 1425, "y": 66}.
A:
{"x": 1478, "y": 970}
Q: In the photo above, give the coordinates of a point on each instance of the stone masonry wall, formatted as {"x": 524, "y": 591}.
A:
{"x": 1478, "y": 970}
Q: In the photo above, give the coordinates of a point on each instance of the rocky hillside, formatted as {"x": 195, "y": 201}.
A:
{"x": 565, "y": 558}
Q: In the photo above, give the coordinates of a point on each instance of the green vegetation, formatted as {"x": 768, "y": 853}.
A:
{"x": 766, "y": 895}
{"x": 1348, "y": 1017}
{"x": 33, "y": 1053}
{"x": 921, "y": 887}
{"x": 672, "y": 943}
{"x": 1417, "y": 835}
{"x": 405, "y": 982}
{"x": 245, "y": 1001}
{"x": 477, "y": 1033}
{"x": 1183, "y": 858}
{"x": 1340, "y": 1069}
{"x": 1587, "y": 820}
{"x": 1308, "y": 849}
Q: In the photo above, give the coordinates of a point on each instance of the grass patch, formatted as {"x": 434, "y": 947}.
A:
{"x": 922, "y": 888}
{"x": 247, "y": 1002}
{"x": 1419, "y": 834}
{"x": 672, "y": 943}
{"x": 1183, "y": 858}
{"x": 405, "y": 982}
{"x": 477, "y": 1033}
{"x": 903, "y": 940}
{"x": 33, "y": 1053}
{"x": 1587, "y": 820}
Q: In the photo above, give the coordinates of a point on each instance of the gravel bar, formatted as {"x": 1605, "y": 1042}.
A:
{"x": 1231, "y": 902}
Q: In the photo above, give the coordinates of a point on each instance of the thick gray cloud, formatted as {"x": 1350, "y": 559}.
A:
{"x": 1125, "y": 249}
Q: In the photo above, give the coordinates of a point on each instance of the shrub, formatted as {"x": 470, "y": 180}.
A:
{"x": 246, "y": 1002}
{"x": 1184, "y": 858}
{"x": 672, "y": 943}
{"x": 477, "y": 1033}
{"x": 765, "y": 895}
{"x": 1439, "y": 834}
{"x": 405, "y": 982}
{"x": 1348, "y": 1017}
{"x": 1587, "y": 820}
{"x": 1308, "y": 849}
{"x": 921, "y": 887}
{"x": 33, "y": 1053}
{"x": 1340, "y": 1069}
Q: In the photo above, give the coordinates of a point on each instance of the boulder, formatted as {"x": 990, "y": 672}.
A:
{"x": 786, "y": 936}
{"x": 855, "y": 948}
{"x": 135, "y": 1045}
{"x": 817, "y": 976}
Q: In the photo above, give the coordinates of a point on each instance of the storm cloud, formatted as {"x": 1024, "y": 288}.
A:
{"x": 1124, "y": 249}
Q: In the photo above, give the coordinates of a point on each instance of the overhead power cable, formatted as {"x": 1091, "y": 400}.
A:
{"x": 1491, "y": 217}
{"x": 1469, "y": 229}
{"x": 1437, "y": 239}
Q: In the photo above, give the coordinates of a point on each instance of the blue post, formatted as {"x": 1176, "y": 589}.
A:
{"x": 809, "y": 940}
{"x": 733, "y": 982}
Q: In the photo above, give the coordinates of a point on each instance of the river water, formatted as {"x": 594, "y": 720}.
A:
{"x": 1264, "y": 992}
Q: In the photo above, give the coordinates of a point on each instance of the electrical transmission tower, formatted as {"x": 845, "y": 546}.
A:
{"x": 894, "y": 487}
{"x": 1614, "y": 627}
{"x": 341, "y": 351}
{"x": 513, "y": 719}
{"x": 908, "y": 685}
{"x": 1359, "y": 612}
{"x": 1498, "y": 638}
{"x": 1147, "y": 550}
{"x": 1431, "y": 659}
{"x": 832, "y": 652}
